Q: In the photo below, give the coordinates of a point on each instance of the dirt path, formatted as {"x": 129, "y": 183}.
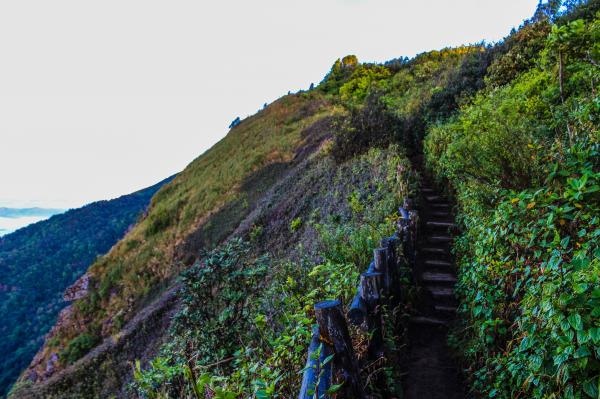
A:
{"x": 432, "y": 372}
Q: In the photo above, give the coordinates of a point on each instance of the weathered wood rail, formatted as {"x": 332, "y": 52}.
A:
{"x": 331, "y": 357}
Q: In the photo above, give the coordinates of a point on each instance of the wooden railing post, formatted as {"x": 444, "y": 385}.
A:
{"x": 413, "y": 230}
{"x": 317, "y": 374}
{"x": 333, "y": 330}
{"x": 381, "y": 266}
{"x": 358, "y": 309}
{"x": 379, "y": 286}
{"x": 408, "y": 226}
{"x": 391, "y": 244}
{"x": 370, "y": 284}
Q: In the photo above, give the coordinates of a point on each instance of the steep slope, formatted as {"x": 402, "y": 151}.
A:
{"x": 39, "y": 261}
{"x": 309, "y": 239}
{"x": 142, "y": 264}
{"x": 227, "y": 191}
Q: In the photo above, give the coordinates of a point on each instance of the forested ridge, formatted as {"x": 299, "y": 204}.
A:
{"x": 39, "y": 261}
{"x": 285, "y": 210}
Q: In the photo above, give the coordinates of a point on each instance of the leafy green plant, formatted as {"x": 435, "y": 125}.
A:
{"x": 79, "y": 346}
{"x": 535, "y": 266}
{"x": 256, "y": 232}
{"x": 355, "y": 204}
{"x": 295, "y": 224}
{"x": 522, "y": 160}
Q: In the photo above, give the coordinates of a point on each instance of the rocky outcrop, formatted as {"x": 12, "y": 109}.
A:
{"x": 78, "y": 290}
{"x": 106, "y": 371}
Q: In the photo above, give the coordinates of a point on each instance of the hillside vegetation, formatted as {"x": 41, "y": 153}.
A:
{"x": 284, "y": 211}
{"x": 147, "y": 258}
{"x": 224, "y": 190}
{"x": 254, "y": 329}
{"x": 522, "y": 158}
{"x": 248, "y": 339}
{"x": 39, "y": 261}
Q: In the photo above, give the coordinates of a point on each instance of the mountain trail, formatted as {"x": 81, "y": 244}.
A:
{"x": 432, "y": 372}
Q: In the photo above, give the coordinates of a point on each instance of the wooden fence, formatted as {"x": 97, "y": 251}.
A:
{"x": 330, "y": 352}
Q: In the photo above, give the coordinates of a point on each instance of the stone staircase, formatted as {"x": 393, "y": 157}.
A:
{"x": 432, "y": 372}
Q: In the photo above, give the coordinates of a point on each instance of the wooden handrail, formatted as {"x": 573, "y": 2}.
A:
{"x": 379, "y": 285}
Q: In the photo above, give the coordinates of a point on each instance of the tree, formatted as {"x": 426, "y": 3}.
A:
{"x": 235, "y": 122}
{"x": 349, "y": 61}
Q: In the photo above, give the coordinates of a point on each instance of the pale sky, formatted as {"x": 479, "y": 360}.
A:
{"x": 101, "y": 98}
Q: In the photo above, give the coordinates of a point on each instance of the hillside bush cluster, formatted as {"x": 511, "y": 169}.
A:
{"x": 247, "y": 318}
{"x": 395, "y": 102}
{"x": 522, "y": 160}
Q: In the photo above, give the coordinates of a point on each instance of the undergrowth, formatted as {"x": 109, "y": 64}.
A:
{"x": 247, "y": 319}
{"x": 522, "y": 161}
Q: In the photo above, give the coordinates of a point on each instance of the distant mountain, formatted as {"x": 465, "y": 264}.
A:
{"x": 22, "y": 212}
{"x": 12, "y": 219}
{"x": 38, "y": 262}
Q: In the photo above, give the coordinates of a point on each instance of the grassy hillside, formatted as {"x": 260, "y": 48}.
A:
{"x": 147, "y": 258}
{"x": 39, "y": 261}
{"x": 329, "y": 218}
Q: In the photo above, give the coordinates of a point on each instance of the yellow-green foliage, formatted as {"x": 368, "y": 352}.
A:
{"x": 411, "y": 87}
{"x": 493, "y": 139}
{"x": 363, "y": 80}
{"x": 143, "y": 260}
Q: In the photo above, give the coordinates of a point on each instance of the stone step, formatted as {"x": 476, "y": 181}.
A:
{"x": 441, "y": 292}
{"x": 440, "y": 214}
{"x": 427, "y": 190}
{"x": 437, "y": 263}
{"x": 441, "y": 224}
{"x": 434, "y": 198}
{"x": 432, "y": 277}
{"x": 445, "y": 308}
{"x": 435, "y": 250}
{"x": 440, "y": 205}
{"x": 441, "y": 238}
{"x": 433, "y": 321}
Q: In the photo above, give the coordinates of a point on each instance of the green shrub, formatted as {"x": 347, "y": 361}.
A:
{"x": 256, "y": 232}
{"x": 340, "y": 71}
{"x": 365, "y": 79}
{"x": 530, "y": 286}
{"x": 496, "y": 140}
{"x": 78, "y": 347}
{"x": 372, "y": 125}
{"x": 523, "y": 161}
{"x": 295, "y": 224}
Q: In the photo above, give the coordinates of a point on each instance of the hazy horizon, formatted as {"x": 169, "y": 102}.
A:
{"x": 100, "y": 100}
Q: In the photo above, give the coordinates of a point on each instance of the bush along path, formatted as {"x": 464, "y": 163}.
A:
{"x": 431, "y": 371}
